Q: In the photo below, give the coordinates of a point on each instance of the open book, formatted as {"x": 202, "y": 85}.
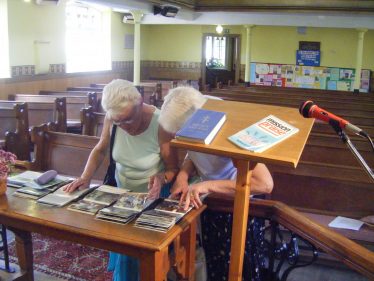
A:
{"x": 263, "y": 134}
{"x": 165, "y": 214}
{"x": 126, "y": 208}
{"x": 60, "y": 198}
{"x": 101, "y": 197}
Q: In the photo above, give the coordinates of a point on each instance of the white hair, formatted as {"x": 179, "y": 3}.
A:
{"x": 178, "y": 106}
{"x": 117, "y": 95}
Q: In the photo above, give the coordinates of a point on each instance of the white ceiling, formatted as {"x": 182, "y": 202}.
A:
{"x": 186, "y": 16}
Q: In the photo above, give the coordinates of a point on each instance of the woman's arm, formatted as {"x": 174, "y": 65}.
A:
{"x": 261, "y": 182}
{"x": 168, "y": 154}
{"x": 94, "y": 160}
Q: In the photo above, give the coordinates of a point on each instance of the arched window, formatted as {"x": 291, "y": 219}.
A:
{"x": 4, "y": 39}
{"x": 87, "y": 38}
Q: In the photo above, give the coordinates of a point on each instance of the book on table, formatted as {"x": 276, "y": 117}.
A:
{"x": 202, "y": 126}
{"x": 60, "y": 198}
{"x": 128, "y": 206}
{"x": 99, "y": 198}
{"x": 263, "y": 134}
{"x": 165, "y": 214}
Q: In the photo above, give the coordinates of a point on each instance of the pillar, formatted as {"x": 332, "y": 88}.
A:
{"x": 137, "y": 19}
{"x": 248, "y": 55}
{"x": 360, "y": 48}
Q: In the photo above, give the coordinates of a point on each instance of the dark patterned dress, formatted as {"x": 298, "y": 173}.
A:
{"x": 216, "y": 233}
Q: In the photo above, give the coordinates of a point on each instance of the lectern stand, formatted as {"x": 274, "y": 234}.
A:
{"x": 287, "y": 153}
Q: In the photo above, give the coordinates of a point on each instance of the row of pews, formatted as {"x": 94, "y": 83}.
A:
{"x": 75, "y": 110}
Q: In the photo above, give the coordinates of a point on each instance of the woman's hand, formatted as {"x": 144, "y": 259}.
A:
{"x": 194, "y": 193}
{"x": 155, "y": 184}
{"x": 179, "y": 188}
{"x": 80, "y": 183}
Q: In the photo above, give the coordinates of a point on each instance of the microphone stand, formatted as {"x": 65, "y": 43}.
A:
{"x": 343, "y": 136}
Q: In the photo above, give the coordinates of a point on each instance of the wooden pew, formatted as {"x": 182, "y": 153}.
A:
{"x": 73, "y": 105}
{"x": 52, "y": 112}
{"x": 92, "y": 122}
{"x": 66, "y": 153}
{"x": 14, "y": 130}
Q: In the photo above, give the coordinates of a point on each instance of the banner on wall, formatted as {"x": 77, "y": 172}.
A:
{"x": 312, "y": 77}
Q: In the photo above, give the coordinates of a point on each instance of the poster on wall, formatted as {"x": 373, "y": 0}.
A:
{"x": 311, "y": 77}
{"x": 308, "y": 58}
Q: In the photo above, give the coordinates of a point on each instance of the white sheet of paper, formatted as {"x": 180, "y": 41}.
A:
{"x": 346, "y": 223}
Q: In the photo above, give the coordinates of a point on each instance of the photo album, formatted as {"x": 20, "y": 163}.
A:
{"x": 98, "y": 199}
{"x": 263, "y": 134}
{"x": 125, "y": 208}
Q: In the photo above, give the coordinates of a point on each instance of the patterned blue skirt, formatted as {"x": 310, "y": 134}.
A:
{"x": 216, "y": 233}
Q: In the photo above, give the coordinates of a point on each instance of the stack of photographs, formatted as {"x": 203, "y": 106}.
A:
{"x": 28, "y": 188}
{"x": 98, "y": 199}
{"x": 127, "y": 207}
{"x": 166, "y": 214}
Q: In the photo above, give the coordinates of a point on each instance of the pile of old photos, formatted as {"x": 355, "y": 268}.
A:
{"x": 128, "y": 206}
{"x": 166, "y": 214}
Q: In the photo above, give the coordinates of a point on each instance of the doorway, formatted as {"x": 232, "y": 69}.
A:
{"x": 220, "y": 59}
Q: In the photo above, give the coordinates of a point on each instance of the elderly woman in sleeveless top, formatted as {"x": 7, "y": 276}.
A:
{"x": 141, "y": 151}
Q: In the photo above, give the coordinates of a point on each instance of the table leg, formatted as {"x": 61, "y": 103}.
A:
{"x": 185, "y": 253}
{"x": 240, "y": 220}
{"x": 24, "y": 253}
{"x": 154, "y": 265}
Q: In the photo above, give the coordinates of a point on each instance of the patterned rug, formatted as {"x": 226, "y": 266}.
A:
{"x": 67, "y": 260}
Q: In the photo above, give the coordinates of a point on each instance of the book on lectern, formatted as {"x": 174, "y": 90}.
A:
{"x": 202, "y": 126}
{"x": 263, "y": 134}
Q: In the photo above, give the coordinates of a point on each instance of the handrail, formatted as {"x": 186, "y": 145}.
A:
{"x": 347, "y": 251}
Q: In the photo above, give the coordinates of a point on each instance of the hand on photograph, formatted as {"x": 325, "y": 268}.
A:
{"x": 80, "y": 183}
{"x": 193, "y": 195}
{"x": 179, "y": 188}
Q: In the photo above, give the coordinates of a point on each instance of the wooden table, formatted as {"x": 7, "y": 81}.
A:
{"x": 24, "y": 216}
{"x": 287, "y": 153}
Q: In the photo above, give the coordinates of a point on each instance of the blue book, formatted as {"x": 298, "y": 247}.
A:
{"x": 202, "y": 126}
{"x": 263, "y": 134}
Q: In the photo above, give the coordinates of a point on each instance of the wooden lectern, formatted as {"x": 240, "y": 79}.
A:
{"x": 287, "y": 153}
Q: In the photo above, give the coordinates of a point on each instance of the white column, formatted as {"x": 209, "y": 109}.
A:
{"x": 360, "y": 49}
{"x": 248, "y": 54}
{"x": 137, "y": 19}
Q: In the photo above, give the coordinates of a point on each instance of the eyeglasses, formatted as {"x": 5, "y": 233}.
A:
{"x": 130, "y": 119}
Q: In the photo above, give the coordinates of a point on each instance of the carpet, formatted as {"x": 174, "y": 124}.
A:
{"x": 67, "y": 260}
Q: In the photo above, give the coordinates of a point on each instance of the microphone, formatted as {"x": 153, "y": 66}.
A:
{"x": 309, "y": 109}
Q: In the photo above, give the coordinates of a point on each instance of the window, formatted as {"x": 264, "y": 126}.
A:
{"x": 215, "y": 52}
{"x": 4, "y": 39}
{"x": 87, "y": 38}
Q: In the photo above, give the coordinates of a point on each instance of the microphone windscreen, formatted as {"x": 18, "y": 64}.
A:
{"x": 305, "y": 108}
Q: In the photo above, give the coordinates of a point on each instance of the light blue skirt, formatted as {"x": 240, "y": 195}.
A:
{"x": 126, "y": 268}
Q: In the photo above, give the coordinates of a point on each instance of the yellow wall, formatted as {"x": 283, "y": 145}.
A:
{"x": 171, "y": 42}
{"x": 29, "y": 22}
{"x": 338, "y": 46}
{"x": 119, "y": 30}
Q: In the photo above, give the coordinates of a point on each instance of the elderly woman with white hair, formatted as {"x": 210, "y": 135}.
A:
{"x": 141, "y": 152}
{"x": 218, "y": 175}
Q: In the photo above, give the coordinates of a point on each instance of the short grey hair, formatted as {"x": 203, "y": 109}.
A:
{"x": 117, "y": 95}
{"x": 179, "y": 104}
